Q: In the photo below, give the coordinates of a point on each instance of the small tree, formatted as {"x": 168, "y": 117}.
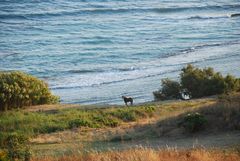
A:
{"x": 206, "y": 82}
{"x": 18, "y": 89}
{"x": 198, "y": 82}
{"x": 231, "y": 84}
{"x": 170, "y": 89}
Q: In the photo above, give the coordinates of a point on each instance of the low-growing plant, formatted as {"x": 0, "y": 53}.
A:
{"x": 18, "y": 89}
{"x": 194, "y": 122}
{"x": 78, "y": 123}
{"x": 106, "y": 120}
{"x": 150, "y": 109}
{"x": 146, "y": 111}
{"x": 125, "y": 115}
{"x": 52, "y": 128}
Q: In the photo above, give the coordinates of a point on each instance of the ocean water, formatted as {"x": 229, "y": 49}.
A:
{"x": 95, "y": 51}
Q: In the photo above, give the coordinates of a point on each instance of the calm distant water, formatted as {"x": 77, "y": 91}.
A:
{"x": 94, "y": 51}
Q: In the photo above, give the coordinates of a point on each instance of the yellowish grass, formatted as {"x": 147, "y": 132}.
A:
{"x": 144, "y": 154}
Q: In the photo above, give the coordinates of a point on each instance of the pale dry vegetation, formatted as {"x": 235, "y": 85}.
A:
{"x": 147, "y": 154}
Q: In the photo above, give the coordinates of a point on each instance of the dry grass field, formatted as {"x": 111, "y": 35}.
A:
{"x": 147, "y": 154}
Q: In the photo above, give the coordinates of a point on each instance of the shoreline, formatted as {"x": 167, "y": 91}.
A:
{"x": 105, "y": 106}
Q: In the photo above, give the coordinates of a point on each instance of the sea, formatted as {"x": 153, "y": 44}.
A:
{"x": 95, "y": 51}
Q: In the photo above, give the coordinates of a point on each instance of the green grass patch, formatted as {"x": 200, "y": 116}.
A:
{"x": 34, "y": 123}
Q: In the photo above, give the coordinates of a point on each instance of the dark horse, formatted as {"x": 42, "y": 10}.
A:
{"x": 127, "y": 99}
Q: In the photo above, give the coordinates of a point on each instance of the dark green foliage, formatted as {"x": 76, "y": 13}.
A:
{"x": 231, "y": 84}
{"x": 199, "y": 83}
{"x": 170, "y": 89}
{"x": 18, "y": 89}
{"x": 17, "y": 147}
{"x": 206, "y": 82}
{"x": 202, "y": 82}
{"x": 159, "y": 96}
{"x": 194, "y": 122}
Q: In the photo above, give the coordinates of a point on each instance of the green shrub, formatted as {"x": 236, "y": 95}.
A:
{"x": 106, "y": 120}
{"x": 194, "y": 122}
{"x": 231, "y": 84}
{"x": 170, "y": 89}
{"x": 19, "y": 89}
{"x": 146, "y": 111}
{"x": 78, "y": 123}
{"x": 150, "y": 109}
{"x": 3, "y": 155}
{"x": 125, "y": 115}
{"x": 206, "y": 82}
{"x": 199, "y": 83}
{"x": 17, "y": 147}
{"x": 158, "y": 96}
{"x": 202, "y": 82}
{"x": 52, "y": 128}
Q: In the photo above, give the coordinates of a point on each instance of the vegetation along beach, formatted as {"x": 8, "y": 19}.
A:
{"x": 106, "y": 80}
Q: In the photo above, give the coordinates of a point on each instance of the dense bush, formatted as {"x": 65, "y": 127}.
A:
{"x": 199, "y": 83}
{"x": 194, "y": 122}
{"x": 18, "y": 89}
{"x": 3, "y": 155}
{"x": 206, "y": 82}
{"x": 170, "y": 89}
{"x": 231, "y": 84}
{"x": 17, "y": 147}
